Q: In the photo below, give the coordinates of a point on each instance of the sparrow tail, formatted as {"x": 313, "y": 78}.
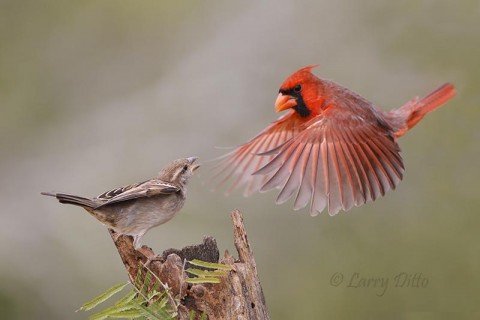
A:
{"x": 71, "y": 199}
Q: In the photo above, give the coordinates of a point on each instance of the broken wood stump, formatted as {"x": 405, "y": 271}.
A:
{"x": 239, "y": 294}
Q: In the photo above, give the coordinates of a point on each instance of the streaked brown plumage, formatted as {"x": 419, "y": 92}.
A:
{"x": 136, "y": 208}
{"x": 333, "y": 148}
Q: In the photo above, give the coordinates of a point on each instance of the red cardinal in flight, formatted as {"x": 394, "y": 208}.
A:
{"x": 333, "y": 148}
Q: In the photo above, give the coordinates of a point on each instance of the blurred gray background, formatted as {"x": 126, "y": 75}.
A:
{"x": 99, "y": 94}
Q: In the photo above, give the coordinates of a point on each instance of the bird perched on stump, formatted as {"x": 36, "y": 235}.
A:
{"x": 136, "y": 208}
{"x": 333, "y": 148}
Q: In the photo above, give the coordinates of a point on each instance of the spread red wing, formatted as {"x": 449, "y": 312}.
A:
{"x": 239, "y": 165}
{"x": 334, "y": 163}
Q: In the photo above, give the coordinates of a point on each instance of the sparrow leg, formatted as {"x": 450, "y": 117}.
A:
{"x": 136, "y": 240}
{"x": 144, "y": 250}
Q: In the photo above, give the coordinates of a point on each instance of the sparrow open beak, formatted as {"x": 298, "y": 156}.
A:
{"x": 284, "y": 102}
{"x": 192, "y": 160}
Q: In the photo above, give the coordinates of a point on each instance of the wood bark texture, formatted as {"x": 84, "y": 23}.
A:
{"x": 238, "y": 296}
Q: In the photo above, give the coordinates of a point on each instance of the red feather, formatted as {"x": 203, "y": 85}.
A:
{"x": 334, "y": 148}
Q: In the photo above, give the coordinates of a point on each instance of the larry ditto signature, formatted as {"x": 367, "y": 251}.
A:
{"x": 381, "y": 284}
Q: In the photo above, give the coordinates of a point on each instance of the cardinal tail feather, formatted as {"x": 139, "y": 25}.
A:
{"x": 407, "y": 116}
{"x": 429, "y": 103}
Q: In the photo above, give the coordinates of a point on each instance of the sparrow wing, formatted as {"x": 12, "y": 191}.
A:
{"x": 339, "y": 160}
{"x": 239, "y": 165}
{"x": 138, "y": 190}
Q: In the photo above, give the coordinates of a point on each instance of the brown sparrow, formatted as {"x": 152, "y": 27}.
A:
{"x": 136, "y": 208}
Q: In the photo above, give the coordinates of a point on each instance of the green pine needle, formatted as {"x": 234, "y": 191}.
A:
{"x": 203, "y": 280}
{"x": 211, "y": 265}
{"x": 114, "y": 310}
{"x": 127, "y": 314}
{"x": 206, "y": 273}
{"x": 137, "y": 304}
{"x": 154, "y": 313}
{"x": 104, "y": 296}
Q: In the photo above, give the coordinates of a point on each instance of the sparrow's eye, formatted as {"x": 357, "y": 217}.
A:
{"x": 297, "y": 88}
{"x": 185, "y": 168}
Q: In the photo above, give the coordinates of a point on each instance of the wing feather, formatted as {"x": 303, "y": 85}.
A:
{"x": 356, "y": 171}
{"x": 335, "y": 164}
{"x": 284, "y": 171}
{"x": 320, "y": 179}
{"x": 296, "y": 176}
{"x": 304, "y": 193}
{"x": 337, "y": 181}
{"x": 139, "y": 190}
{"x": 240, "y": 164}
{"x": 385, "y": 165}
{"x": 356, "y": 153}
{"x": 348, "y": 191}
{"x": 335, "y": 161}
{"x": 246, "y": 159}
{"x": 371, "y": 174}
{"x": 117, "y": 191}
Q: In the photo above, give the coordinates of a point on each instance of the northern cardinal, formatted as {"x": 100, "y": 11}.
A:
{"x": 333, "y": 148}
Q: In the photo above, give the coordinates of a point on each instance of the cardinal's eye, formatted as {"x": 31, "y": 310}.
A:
{"x": 297, "y": 88}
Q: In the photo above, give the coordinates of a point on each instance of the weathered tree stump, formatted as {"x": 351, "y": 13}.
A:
{"x": 239, "y": 295}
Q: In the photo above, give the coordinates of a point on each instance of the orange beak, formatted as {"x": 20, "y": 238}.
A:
{"x": 284, "y": 102}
